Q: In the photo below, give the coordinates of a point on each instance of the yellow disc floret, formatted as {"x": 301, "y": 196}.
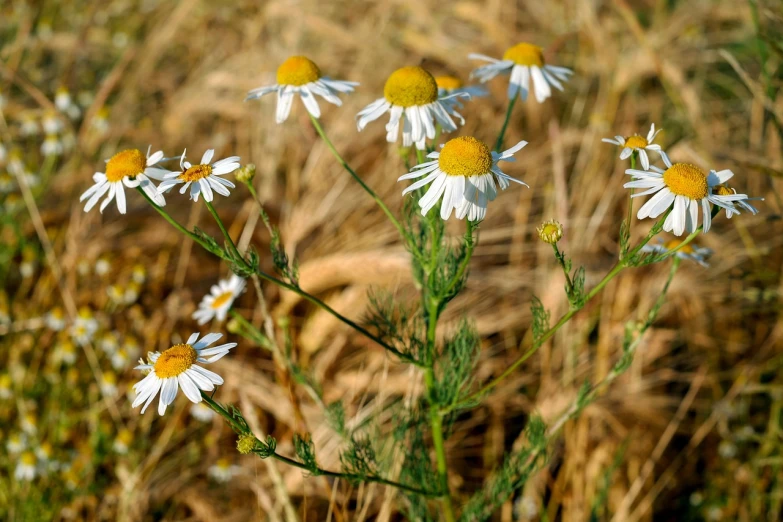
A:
{"x": 636, "y": 142}
{"x": 465, "y": 156}
{"x": 684, "y": 179}
{"x": 128, "y": 163}
{"x": 724, "y": 190}
{"x": 222, "y": 299}
{"x": 175, "y": 360}
{"x": 550, "y": 231}
{"x": 195, "y": 173}
{"x": 525, "y": 54}
{"x": 448, "y": 83}
{"x": 674, "y": 243}
{"x": 298, "y": 71}
{"x": 410, "y": 86}
{"x": 28, "y": 458}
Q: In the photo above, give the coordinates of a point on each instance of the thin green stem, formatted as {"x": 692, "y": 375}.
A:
{"x": 355, "y": 176}
{"x": 239, "y": 428}
{"x": 562, "y": 262}
{"x": 502, "y": 135}
{"x": 629, "y": 220}
{"x": 470, "y": 245}
{"x": 220, "y": 224}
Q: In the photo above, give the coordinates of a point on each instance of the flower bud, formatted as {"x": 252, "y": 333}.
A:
{"x": 246, "y": 174}
{"x": 550, "y": 231}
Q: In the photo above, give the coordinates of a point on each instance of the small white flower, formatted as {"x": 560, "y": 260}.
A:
{"x": 684, "y": 187}
{"x": 463, "y": 174}
{"x": 300, "y": 75}
{"x": 108, "y": 384}
{"x": 28, "y": 126}
{"x": 218, "y": 302}
{"x": 130, "y": 168}
{"x": 16, "y": 443}
{"x": 202, "y": 412}
{"x": 64, "y": 352}
{"x": 26, "y": 467}
{"x": 139, "y": 275}
{"x": 223, "y": 471}
{"x": 639, "y": 144}
{"x": 176, "y": 367}
{"x": 102, "y": 266}
{"x": 410, "y": 96}
{"x": 131, "y": 294}
{"x": 525, "y": 62}
{"x": 122, "y": 442}
{"x": 29, "y": 424}
{"x": 51, "y": 123}
{"x": 202, "y": 178}
{"x": 84, "y": 327}
{"x": 62, "y": 99}
{"x": 448, "y": 86}
{"x": 120, "y": 359}
{"x": 51, "y": 146}
{"x": 690, "y": 251}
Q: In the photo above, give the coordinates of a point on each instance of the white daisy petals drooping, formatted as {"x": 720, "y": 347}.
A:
{"x": 448, "y": 86}
{"x": 463, "y": 174}
{"x": 218, "y": 302}
{"x": 525, "y": 63}
{"x": 725, "y": 190}
{"x": 202, "y": 178}
{"x": 129, "y": 168}
{"x": 685, "y": 188}
{"x": 176, "y": 368}
{"x": 690, "y": 251}
{"x": 411, "y": 97}
{"x": 300, "y": 75}
{"x": 639, "y": 145}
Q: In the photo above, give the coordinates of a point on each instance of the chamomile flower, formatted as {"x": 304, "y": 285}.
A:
{"x": 223, "y": 471}
{"x": 28, "y": 126}
{"x": 16, "y": 443}
{"x": 29, "y": 424}
{"x": 690, "y": 251}
{"x": 52, "y": 146}
{"x": 300, "y": 75}
{"x": 725, "y": 190}
{"x": 131, "y": 293}
{"x": 201, "y": 412}
{"x": 463, "y": 173}
{"x": 139, "y": 274}
{"x": 108, "y": 384}
{"x": 684, "y": 188}
{"x": 176, "y": 367}
{"x": 116, "y": 294}
{"x": 411, "y": 97}
{"x": 44, "y": 452}
{"x": 122, "y": 442}
{"x": 218, "y": 302}
{"x": 448, "y": 85}
{"x": 525, "y": 63}
{"x": 51, "y": 123}
{"x": 638, "y": 144}
{"x": 26, "y": 467}
{"x": 62, "y": 98}
{"x": 130, "y": 168}
{"x": 202, "y": 178}
{"x": 84, "y": 327}
{"x": 65, "y": 353}
{"x": 120, "y": 359}
{"x": 102, "y": 266}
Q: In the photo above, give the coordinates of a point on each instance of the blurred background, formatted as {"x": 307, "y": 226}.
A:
{"x": 691, "y": 432}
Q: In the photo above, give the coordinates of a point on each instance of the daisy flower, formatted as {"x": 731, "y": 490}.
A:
{"x": 411, "y": 97}
{"x": 220, "y": 299}
{"x": 122, "y": 442}
{"x": 16, "y": 443}
{"x": 120, "y": 359}
{"x": 300, "y": 75}
{"x": 129, "y": 168}
{"x": 202, "y": 412}
{"x": 684, "y": 188}
{"x": 26, "y": 467}
{"x": 202, "y": 178}
{"x": 84, "y": 327}
{"x": 449, "y": 85}
{"x": 639, "y": 145}
{"x": 64, "y": 352}
{"x": 108, "y": 384}
{"x": 223, "y": 471}
{"x": 176, "y": 367}
{"x": 525, "y": 62}
{"x": 51, "y": 146}
{"x": 29, "y": 424}
{"x": 463, "y": 173}
{"x": 689, "y": 251}
{"x": 725, "y": 190}
{"x": 55, "y": 319}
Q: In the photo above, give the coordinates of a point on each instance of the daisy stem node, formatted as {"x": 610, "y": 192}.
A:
{"x": 502, "y": 135}
{"x": 355, "y": 176}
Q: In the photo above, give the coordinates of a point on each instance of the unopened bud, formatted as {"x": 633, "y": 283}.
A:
{"x": 550, "y": 231}
{"x": 246, "y": 443}
{"x": 246, "y": 174}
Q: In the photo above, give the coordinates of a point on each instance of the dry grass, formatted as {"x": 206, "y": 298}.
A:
{"x": 709, "y": 367}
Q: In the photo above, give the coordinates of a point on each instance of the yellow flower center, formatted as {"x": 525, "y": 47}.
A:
{"x": 636, "y": 142}
{"x": 465, "y": 156}
{"x": 297, "y": 71}
{"x": 128, "y": 163}
{"x": 525, "y": 54}
{"x": 684, "y": 179}
{"x": 175, "y": 360}
{"x": 28, "y": 458}
{"x": 723, "y": 190}
{"x": 448, "y": 82}
{"x": 410, "y": 86}
{"x": 221, "y": 300}
{"x": 674, "y": 243}
{"x": 195, "y": 173}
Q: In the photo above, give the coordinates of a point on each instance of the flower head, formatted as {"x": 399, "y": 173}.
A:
{"x": 411, "y": 97}
{"x": 463, "y": 174}
{"x": 218, "y": 302}
{"x": 685, "y": 188}
{"x": 128, "y": 168}
{"x": 55, "y": 319}
{"x": 202, "y": 178}
{"x": 550, "y": 231}
{"x": 690, "y": 251}
{"x": 176, "y": 367}
{"x": 638, "y": 144}
{"x": 223, "y": 471}
{"x": 725, "y": 190}
{"x": 525, "y": 62}
{"x": 300, "y": 75}
{"x": 451, "y": 85}
{"x": 26, "y": 466}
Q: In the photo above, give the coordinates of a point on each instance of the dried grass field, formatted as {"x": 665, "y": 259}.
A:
{"x": 693, "y": 430}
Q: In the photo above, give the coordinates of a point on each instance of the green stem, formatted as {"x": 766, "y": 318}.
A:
{"x": 630, "y": 201}
{"x": 263, "y": 275}
{"x": 562, "y": 262}
{"x": 237, "y": 426}
{"x": 502, "y": 135}
{"x": 355, "y": 176}
{"x": 230, "y": 241}
{"x": 470, "y": 245}
{"x": 251, "y": 332}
